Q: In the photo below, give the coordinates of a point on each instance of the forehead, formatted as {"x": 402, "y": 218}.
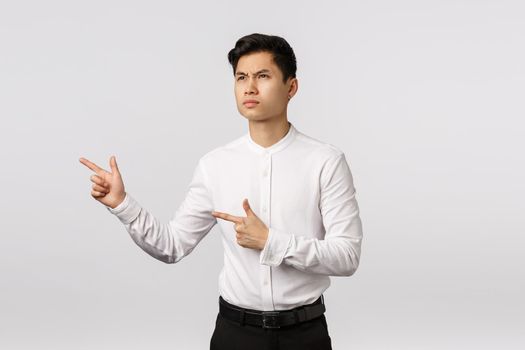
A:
{"x": 255, "y": 62}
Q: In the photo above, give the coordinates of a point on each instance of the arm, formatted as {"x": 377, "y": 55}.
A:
{"x": 338, "y": 254}
{"x": 172, "y": 241}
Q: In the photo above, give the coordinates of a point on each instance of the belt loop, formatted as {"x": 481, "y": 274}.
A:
{"x": 307, "y": 313}
{"x": 296, "y": 315}
{"x": 303, "y": 315}
{"x": 242, "y": 317}
{"x": 322, "y": 299}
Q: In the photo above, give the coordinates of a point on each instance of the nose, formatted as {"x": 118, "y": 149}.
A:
{"x": 251, "y": 87}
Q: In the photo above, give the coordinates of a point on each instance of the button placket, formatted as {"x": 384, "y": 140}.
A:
{"x": 266, "y": 273}
{"x": 265, "y": 181}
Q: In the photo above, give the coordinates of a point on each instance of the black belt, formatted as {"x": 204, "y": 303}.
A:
{"x": 271, "y": 319}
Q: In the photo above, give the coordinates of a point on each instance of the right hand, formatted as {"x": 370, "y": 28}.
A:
{"x": 108, "y": 188}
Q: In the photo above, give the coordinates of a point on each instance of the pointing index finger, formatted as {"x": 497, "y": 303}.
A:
{"x": 228, "y": 217}
{"x": 91, "y": 165}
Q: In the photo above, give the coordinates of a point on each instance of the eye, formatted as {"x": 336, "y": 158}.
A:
{"x": 263, "y": 75}
{"x": 241, "y": 77}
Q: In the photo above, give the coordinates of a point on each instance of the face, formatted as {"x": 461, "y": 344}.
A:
{"x": 259, "y": 89}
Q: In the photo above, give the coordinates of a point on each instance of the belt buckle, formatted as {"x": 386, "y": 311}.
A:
{"x": 270, "y": 319}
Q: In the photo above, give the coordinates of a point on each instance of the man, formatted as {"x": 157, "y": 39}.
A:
{"x": 285, "y": 203}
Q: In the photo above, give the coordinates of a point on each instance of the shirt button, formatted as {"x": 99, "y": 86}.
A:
{"x": 264, "y": 209}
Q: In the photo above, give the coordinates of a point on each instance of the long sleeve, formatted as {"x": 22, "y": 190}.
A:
{"x": 339, "y": 252}
{"x": 170, "y": 242}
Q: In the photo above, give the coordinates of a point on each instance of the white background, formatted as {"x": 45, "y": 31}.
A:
{"x": 424, "y": 97}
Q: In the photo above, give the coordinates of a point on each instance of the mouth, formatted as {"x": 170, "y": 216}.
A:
{"x": 250, "y": 103}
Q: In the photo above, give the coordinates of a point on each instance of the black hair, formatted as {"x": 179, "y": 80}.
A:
{"x": 282, "y": 52}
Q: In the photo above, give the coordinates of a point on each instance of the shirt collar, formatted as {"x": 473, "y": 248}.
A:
{"x": 276, "y": 147}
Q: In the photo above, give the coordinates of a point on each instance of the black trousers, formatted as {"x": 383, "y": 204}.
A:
{"x": 309, "y": 335}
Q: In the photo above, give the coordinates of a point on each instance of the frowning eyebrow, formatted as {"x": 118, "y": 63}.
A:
{"x": 256, "y": 73}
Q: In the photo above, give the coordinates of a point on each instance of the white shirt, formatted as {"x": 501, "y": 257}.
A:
{"x": 300, "y": 187}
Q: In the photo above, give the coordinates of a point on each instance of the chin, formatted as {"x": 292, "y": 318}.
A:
{"x": 251, "y": 115}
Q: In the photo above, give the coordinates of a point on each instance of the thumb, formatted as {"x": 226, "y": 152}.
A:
{"x": 113, "y": 165}
{"x": 247, "y": 208}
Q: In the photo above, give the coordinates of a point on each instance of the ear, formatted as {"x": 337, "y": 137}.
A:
{"x": 294, "y": 85}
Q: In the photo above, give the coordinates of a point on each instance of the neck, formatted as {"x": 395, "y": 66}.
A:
{"x": 268, "y": 132}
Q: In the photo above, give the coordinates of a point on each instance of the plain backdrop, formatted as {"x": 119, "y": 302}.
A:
{"x": 425, "y": 98}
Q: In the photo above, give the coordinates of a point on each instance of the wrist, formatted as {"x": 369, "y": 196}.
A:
{"x": 119, "y": 201}
{"x": 265, "y": 239}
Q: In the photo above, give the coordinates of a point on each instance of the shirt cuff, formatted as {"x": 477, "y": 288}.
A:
{"x": 275, "y": 248}
{"x": 127, "y": 211}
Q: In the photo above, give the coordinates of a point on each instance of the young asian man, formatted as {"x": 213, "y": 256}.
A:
{"x": 285, "y": 204}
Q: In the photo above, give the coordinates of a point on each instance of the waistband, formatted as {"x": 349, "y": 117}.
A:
{"x": 272, "y": 319}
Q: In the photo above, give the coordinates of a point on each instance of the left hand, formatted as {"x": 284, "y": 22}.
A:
{"x": 251, "y": 231}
